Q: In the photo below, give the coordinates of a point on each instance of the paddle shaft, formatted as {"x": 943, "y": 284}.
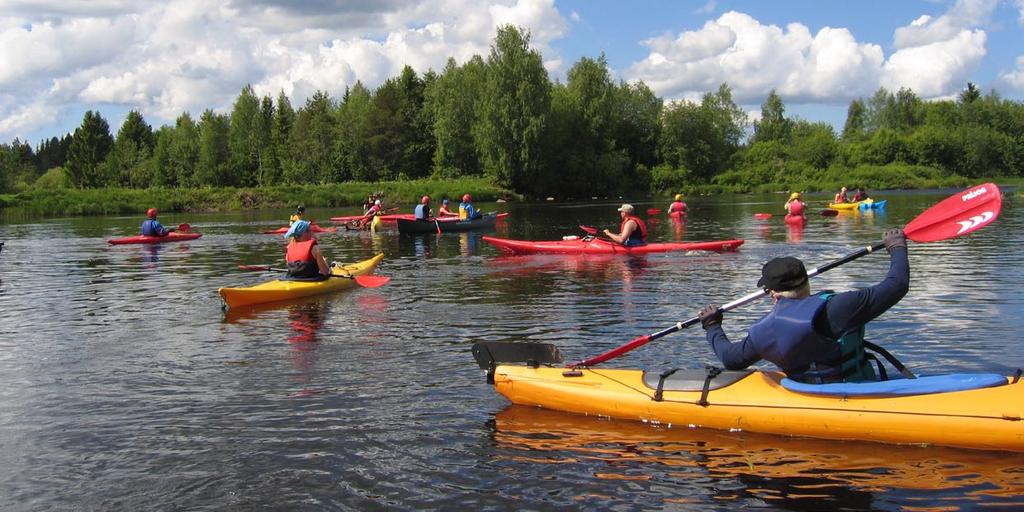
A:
{"x": 271, "y": 269}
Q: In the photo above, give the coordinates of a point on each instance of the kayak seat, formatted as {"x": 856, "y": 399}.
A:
{"x": 306, "y": 279}
{"x": 693, "y": 380}
{"x": 900, "y": 387}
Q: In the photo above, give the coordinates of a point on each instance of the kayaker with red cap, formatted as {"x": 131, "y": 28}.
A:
{"x": 816, "y": 338}
{"x": 423, "y": 211}
{"x": 443, "y": 211}
{"x": 303, "y": 256}
{"x": 466, "y": 210}
{"x": 152, "y": 227}
{"x": 632, "y": 231}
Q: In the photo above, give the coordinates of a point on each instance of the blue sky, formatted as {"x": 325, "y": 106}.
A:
{"x": 64, "y": 57}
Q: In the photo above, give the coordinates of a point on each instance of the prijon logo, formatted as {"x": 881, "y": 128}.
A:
{"x": 972, "y": 194}
{"x": 975, "y": 221}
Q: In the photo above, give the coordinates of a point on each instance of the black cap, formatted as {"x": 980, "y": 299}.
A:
{"x": 300, "y": 208}
{"x": 783, "y": 274}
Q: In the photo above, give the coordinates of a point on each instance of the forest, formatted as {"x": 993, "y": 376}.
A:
{"x": 503, "y": 120}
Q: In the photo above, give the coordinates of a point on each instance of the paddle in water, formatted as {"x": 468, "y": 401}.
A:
{"x": 962, "y": 213}
{"x": 762, "y": 216}
{"x": 828, "y": 212}
{"x": 367, "y": 281}
{"x": 184, "y": 228}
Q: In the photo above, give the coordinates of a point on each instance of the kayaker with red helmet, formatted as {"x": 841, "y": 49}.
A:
{"x": 466, "y": 210}
{"x": 423, "y": 210}
{"x": 303, "y": 256}
{"x": 677, "y": 206}
{"x": 152, "y": 227}
{"x": 813, "y": 338}
{"x": 632, "y": 231}
{"x": 443, "y": 211}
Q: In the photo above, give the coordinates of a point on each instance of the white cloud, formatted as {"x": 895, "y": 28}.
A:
{"x": 188, "y": 55}
{"x": 1020, "y": 9}
{"x": 1015, "y": 78}
{"x": 754, "y": 59}
{"x": 708, "y": 7}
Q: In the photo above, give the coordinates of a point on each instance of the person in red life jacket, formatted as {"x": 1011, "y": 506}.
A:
{"x": 860, "y": 195}
{"x": 152, "y": 227}
{"x": 423, "y": 211}
{"x": 443, "y": 211}
{"x": 795, "y": 205}
{"x": 303, "y": 256}
{"x": 816, "y": 338}
{"x": 677, "y": 206}
{"x": 841, "y": 196}
{"x": 375, "y": 210}
{"x": 632, "y": 231}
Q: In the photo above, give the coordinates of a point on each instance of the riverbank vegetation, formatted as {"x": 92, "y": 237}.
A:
{"x": 503, "y": 123}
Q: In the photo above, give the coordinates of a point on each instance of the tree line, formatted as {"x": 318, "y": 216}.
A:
{"x": 504, "y": 119}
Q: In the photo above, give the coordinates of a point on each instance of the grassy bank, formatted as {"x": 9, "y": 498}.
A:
{"x": 54, "y": 202}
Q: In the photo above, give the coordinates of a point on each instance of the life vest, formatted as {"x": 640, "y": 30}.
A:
{"x": 301, "y": 262}
{"x": 293, "y": 218}
{"x": 677, "y": 206}
{"x": 796, "y": 208}
{"x": 150, "y": 227}
{"x": 640, "y": 233}
{"x": 786, "y": 337}
{"x": 421, "y": 211}
{"x": 463, "y": 213}
{"x": 841, "y": 198}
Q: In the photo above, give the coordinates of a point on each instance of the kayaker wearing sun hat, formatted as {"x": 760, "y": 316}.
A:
{"x": 677, "y": 206}
{"x": 813, "y": 338}
{"x": 632, "y": 231}
{"x": 152, "y": 227}
{"x": 303, "y": 256}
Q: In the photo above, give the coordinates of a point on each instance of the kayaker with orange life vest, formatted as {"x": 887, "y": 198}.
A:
{"x": 375, "y": 210}
{"x": 443, "y": 211}
{"x": 816, "y": 338}
{"x": 466, "y": 210}
{"x": 860, "y": 195}
{"x": 423, "y": 211}
{"x": 152, "y": 227}
{"x": 677, "y": 206}
{"x": 303, "y": 256}
{"x": 841, "y": 196}
{"x": 632, "y": 231}
{"x": 795, "y": 205}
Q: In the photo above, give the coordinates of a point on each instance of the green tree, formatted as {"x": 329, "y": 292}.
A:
{"x": 352, "y": 144}
{"x": 90, "y": 145}
{"x": 452, "y": 100}
{"x": 267, "y": 165}
{"x": 513, "y": 111}
{"x": 310, "y": 142}
{"x": 212, "y": 167}
{"x": 130, "y": 160}
{"x": 773, "y": 124}
{"x": 702, "y": 138}
{"x": 244, "y": 140}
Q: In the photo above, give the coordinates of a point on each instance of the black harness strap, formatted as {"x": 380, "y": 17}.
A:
{"x": 891, "y": 358}
{"x": 1016, "y": 376}
{"x": 661, "y": 382}
{"x": 712, "y": 373}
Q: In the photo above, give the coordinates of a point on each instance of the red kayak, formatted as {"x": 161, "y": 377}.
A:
{"x": 313, "y": 227}
{"x": 174, "y": 236}
{"x": 589, "y": 245}
{"x": 393, "y": 217}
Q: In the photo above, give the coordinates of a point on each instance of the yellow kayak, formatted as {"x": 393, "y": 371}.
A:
{"x": 756, "y": 401}
{"x": 280, "y": 289}
{"x": 845, "y": 206}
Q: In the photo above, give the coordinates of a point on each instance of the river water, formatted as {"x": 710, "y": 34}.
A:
{"x": 124, "y": 386}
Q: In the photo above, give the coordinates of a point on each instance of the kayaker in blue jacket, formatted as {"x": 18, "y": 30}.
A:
{"x": 152, "y": 227}
{"x": 813, "y": 338}
{"x": 423, "y": 210}
{"x": 466, "y": 210}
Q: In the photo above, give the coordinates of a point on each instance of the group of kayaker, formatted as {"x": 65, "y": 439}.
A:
{"x": 843, "y": 196}
{"x": 424, "y": 212}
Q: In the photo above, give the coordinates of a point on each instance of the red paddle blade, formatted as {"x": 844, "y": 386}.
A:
{"x": 184, "y": 227}
{"x": 372, "y": 281}
{"x": 959, "y": 214}
{"x": 653, "y": 211}
{"x": 762, "y": 216}
{"x": 588, "y": 229}
{"x": 829, "y": 213}
{"x": 254, "y": 267}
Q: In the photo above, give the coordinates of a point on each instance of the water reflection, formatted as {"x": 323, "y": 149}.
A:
{"x": 791, "y": 473}
{"x": 678, "y": 227}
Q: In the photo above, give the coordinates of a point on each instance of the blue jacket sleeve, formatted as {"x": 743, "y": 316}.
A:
{"x": 850, "y": 310}
{"x": 735, "y": 356}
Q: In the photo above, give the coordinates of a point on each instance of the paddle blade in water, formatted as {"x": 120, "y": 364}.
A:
{"x": 653, "y": 211}
{"x": 372, "y": 281}
{"x": 184, "y": 227}
{"x": 957, "y": 215}
{"x": 588, "y": 229}
{"x": 829, "y": 212}
{"x": 762, "y": 216}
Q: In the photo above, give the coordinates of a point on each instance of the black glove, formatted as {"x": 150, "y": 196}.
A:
{"x": 894, "y": 238}
{"x": 710, "y": 316}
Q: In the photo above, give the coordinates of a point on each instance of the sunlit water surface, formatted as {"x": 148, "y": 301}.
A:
{"x": 124, "y": 386}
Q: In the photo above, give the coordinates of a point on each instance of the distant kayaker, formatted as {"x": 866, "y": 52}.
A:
{"x": 368, "y": 217}
{"x": 813, "y": 338}
{"x": 795, "y": 205}
{"x": 443, "y": 211}
{"x": 303, "y": 256}
{"x": 466, "y": 210}
{"x": 860, "y": 195}
{"x": 677, "y": 206}
{"x": 632, "y": 231}
{"x": 423, "y": 211}
{"x": 841, "y": 196}
{"x": 300, "y": 212}
{"x": 152, "y": 227}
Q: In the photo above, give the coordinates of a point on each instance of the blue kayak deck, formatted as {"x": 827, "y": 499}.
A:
{"x": 899, "y": 387}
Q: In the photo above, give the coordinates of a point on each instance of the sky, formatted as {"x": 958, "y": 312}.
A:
{"x": 162, "y": 58}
